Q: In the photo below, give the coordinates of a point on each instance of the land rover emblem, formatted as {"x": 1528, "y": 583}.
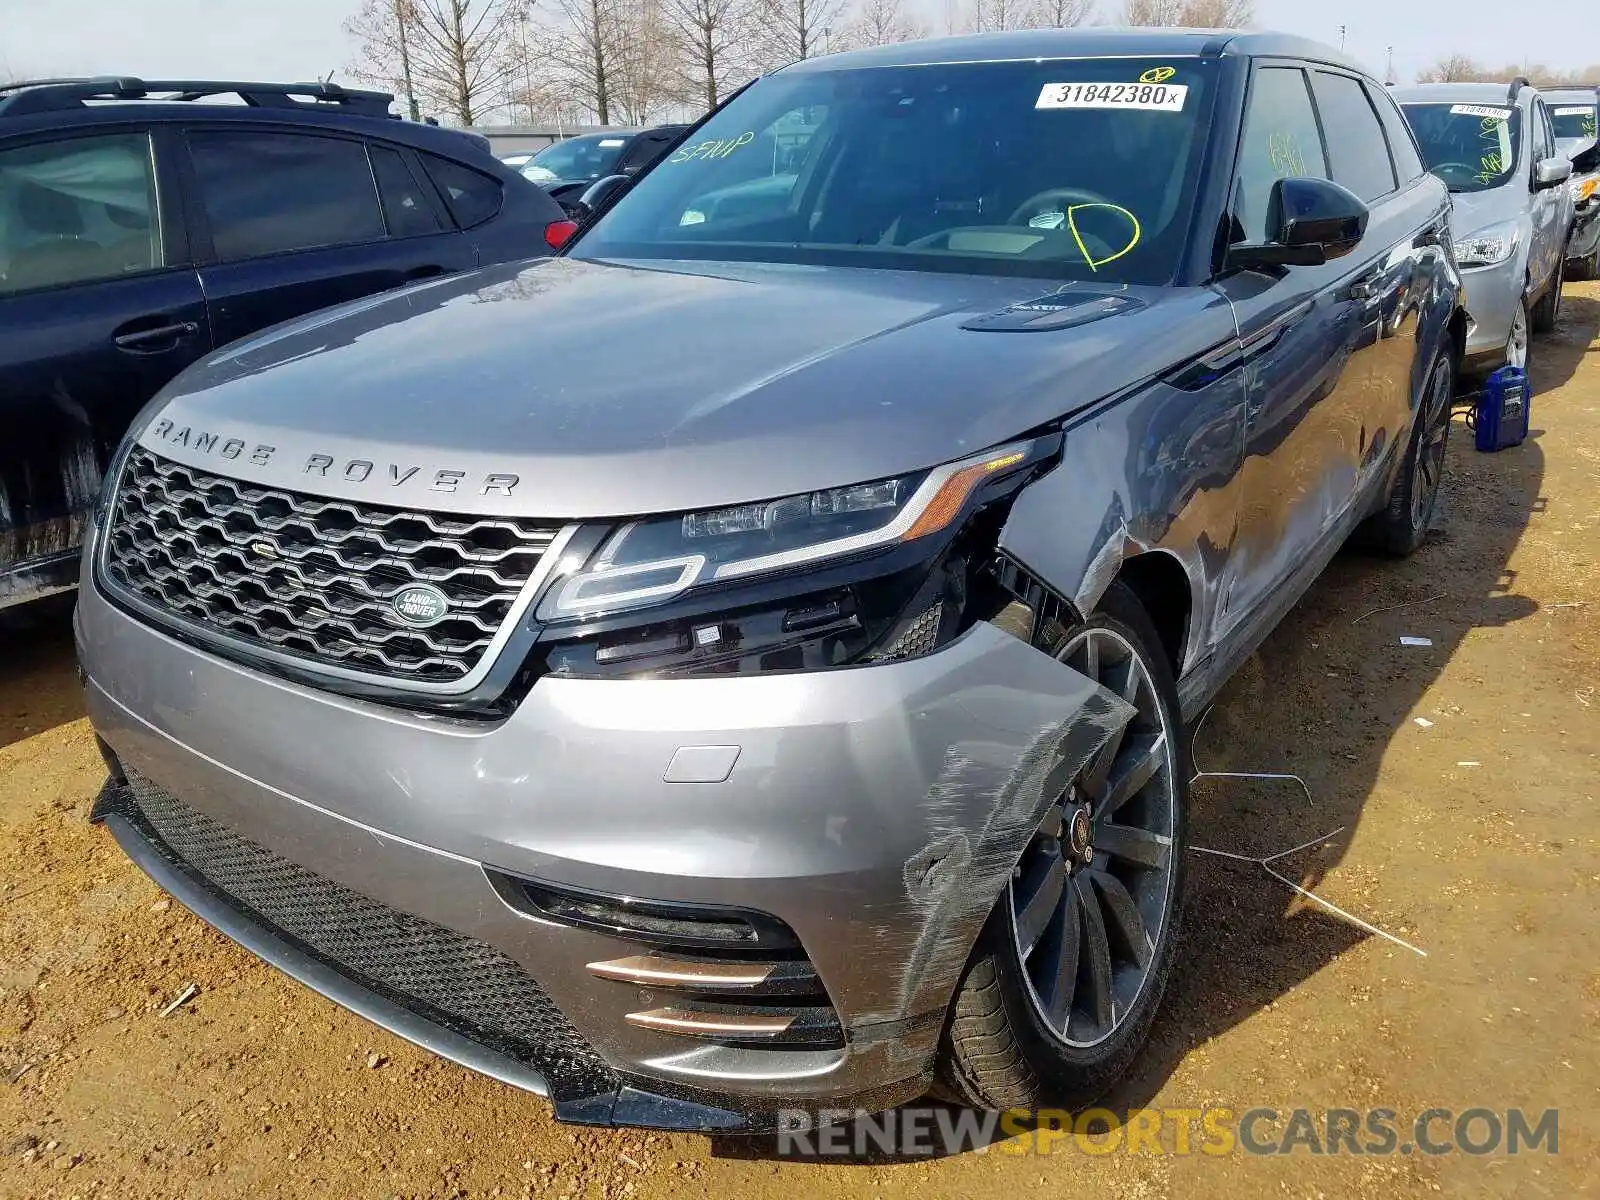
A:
{"x": 420, "y": 605}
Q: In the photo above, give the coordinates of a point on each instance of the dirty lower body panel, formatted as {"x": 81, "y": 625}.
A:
{"x": 38, "y": 577}
{"x": 780, "y": 926}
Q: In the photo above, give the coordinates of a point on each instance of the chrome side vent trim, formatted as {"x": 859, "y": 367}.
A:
{"x": 697, "y": 1023}
{"x": 788, "y": 977}
{"x": 810, "y": 1026}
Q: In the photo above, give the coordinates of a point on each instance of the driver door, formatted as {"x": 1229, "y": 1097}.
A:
{"x": 1309, "y": 334}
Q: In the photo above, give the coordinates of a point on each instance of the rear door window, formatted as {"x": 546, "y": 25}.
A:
{"x": 406, "y": 207}
{"x": 76, "y": 210}
{"x": 473, "y": 197}
{"x": 268, "y": 193}
{"x": 1358, "y": 152}
{"x": 1407, "y": 159}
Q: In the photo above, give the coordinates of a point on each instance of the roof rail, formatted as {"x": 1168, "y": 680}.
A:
{"x": 56, "y": 95}
{"x": 1517, "y": 84}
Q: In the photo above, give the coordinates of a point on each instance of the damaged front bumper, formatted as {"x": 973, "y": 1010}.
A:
{"x": 682, "y": 903}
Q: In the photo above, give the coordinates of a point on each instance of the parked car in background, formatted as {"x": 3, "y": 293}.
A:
{"x": 144, "y": 224}
{"x": 1573, "y": 112}
{"x": 1494, "y": 147}
{"x": 792, "y": 710}
{"x": 567, "y": 168}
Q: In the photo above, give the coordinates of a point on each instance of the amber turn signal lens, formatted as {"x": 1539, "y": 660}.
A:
{"x": 947, "y": 504}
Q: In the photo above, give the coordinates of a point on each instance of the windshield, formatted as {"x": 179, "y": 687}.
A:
{"x": 1472, "y": 147}
{"x": 579, "y": 158}
{"x": 1066, "y": 169}
{"x": 1573, "y": 121}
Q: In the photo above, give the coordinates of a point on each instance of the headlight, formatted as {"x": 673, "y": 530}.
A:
{"x": 655, "y": 560}
{"x": 1488, "y": 247}
{"x": 869, "y": 573}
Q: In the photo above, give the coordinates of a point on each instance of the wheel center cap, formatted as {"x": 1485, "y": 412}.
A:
{"x": 1080, "y": 835}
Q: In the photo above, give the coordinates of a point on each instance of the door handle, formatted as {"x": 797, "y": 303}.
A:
{"x": 1369, "y": 288}
{"x": 157, "y": 338}
{"x": 417, "y": 274}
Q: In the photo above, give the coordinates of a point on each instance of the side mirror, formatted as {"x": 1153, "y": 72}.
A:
{"x": 1551, "y": 172}
{"x": 1587, "y": 159}
{"x": 1315, "y": 220}
{"x": 602, "y": 193}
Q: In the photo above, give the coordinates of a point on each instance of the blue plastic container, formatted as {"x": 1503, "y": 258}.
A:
{"x": 1501, "y": 417}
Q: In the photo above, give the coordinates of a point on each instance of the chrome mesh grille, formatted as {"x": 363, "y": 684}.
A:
{"x": 317, "y": 578}
{"x": 454, "y": 980}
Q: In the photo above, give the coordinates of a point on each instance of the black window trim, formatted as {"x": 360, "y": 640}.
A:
{"x": 205, "y": 253}
{"x": 173, "y": 239}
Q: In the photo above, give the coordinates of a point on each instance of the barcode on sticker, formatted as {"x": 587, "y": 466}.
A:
{"x": 1156, "y": 97}
{"x": 1580, "y": 110}
{"x": 1480, "y": 110}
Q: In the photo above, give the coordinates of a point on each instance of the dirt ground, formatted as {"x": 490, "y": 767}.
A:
{"x": 1473, "y": 837}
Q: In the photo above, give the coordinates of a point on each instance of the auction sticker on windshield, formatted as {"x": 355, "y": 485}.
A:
{"x": 1480, "y": 110}
{"x": 1158, "y": 97}
{"x": 1581, "y": 110}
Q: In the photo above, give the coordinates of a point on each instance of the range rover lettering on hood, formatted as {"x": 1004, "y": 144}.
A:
{"x": 326, "y": 466}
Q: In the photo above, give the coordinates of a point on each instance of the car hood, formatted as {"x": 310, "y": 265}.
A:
{"x": 1472, "y": 211}
{"x": 606, "y": 389}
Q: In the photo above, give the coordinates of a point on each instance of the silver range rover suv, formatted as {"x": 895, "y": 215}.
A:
{"x": 742, "y": 664}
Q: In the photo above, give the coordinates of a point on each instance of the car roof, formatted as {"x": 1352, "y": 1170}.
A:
{"x": 1498, "y": 94}
{"x": 1032, "y": 44}
{"x": 441, "y": 139}
{"x": 82, "y": 103}
{"x": 1588, "y": 92}
{"x": 596, "y": 136}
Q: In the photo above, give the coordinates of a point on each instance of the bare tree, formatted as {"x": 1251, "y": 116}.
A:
{"x": 787, "y": 30}
{"x": 1152, "y": 12}
{"x": 1197, "y": 14}
{"x": 1457, "y": 68}
{"x": 1063, "y": 14}
{"x": 989, "y": 16}
{"x": 882, "y": 23}
{"x": 1218, "y": 14}
{"x": 713, "y": 36}
{"x": 649, "y": 62}
{"x": 450, "y": 53}
{"x": 583, "y": 50}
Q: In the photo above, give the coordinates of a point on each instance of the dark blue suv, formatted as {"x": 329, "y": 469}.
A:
{"x": 143, "y": 224}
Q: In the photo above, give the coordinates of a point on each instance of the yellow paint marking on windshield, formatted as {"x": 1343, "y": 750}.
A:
{"x": 713, "y": 148}
{"x": 1072, "y": 227}
{"x": 1158, "y": 74}
{"x": 1493, "y": 131}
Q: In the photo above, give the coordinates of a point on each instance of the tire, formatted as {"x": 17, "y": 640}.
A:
{"x": 1548, "y": 311}
{"x": 1399, "y": 529}
{"x": 1526, "y": 336}
{"x": 1584, "y": 268}
{"x": 1000, "y": 1049}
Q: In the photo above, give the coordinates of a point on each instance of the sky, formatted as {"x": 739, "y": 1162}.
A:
{"x": 293, "y": 40}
